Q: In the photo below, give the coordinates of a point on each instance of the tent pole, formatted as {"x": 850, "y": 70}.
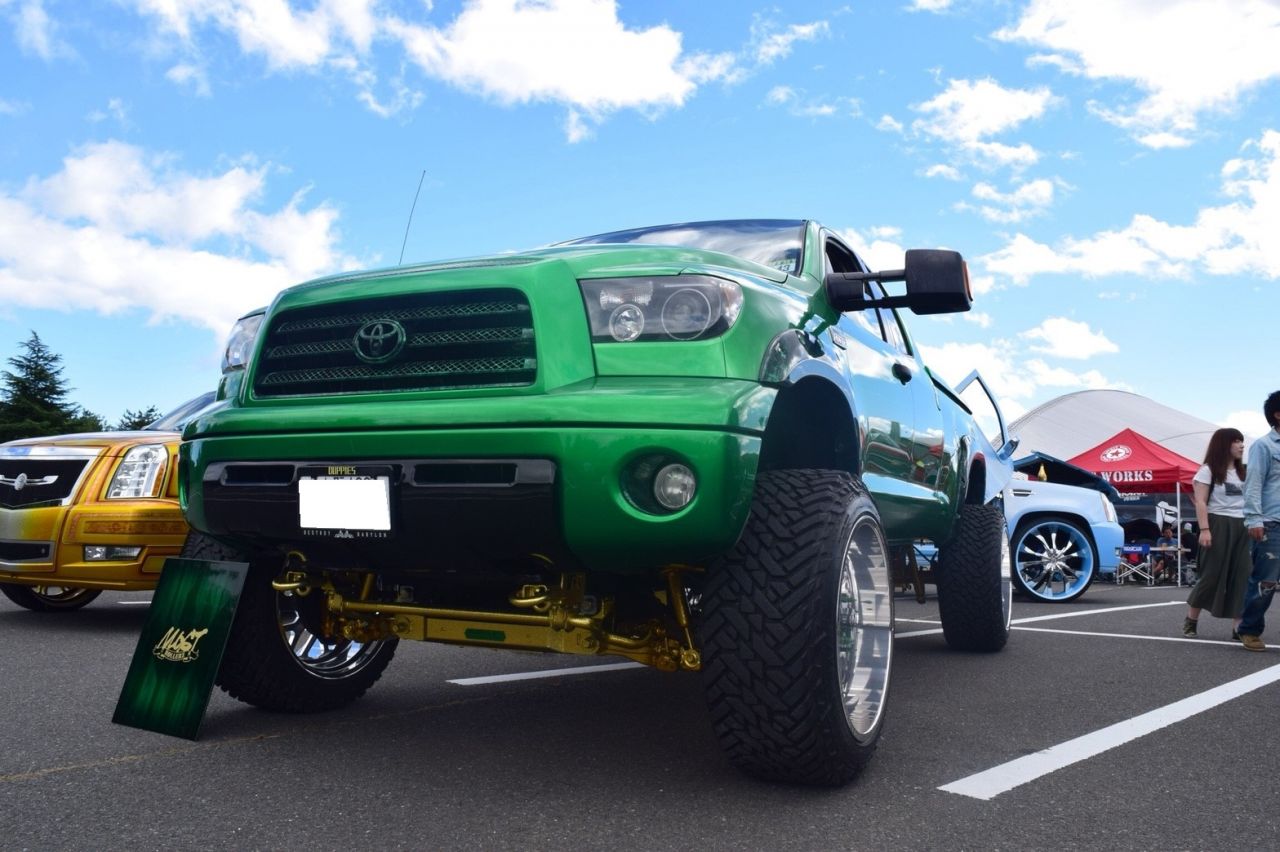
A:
{"x": 1177, "y": 535}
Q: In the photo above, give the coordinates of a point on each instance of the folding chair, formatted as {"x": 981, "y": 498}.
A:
{"x": 1142, "y": 568}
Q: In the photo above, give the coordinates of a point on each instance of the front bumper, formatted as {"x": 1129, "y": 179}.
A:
{"x": 1109, "y": 537}
{"x": 45, "y": 546}
{"x": 547, "y": 484}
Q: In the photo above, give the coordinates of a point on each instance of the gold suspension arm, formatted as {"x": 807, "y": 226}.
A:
{"x": 555, "y": 622}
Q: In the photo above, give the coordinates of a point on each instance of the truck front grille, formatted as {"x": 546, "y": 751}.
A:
{"x": 34, "y": 481}
{"x": 421, "y": 341}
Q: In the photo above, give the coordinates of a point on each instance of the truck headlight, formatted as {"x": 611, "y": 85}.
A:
{"x": 670, "y": 307}
{"x": 139, "y": 473}
{"x": 240, "y": 343}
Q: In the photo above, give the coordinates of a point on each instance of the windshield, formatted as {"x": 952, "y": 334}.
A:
{"x": 772, "y": 242}
{"x": 175, "y": 420}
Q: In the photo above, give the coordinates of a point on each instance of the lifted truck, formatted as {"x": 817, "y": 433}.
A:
{"x": 706, "y": 447}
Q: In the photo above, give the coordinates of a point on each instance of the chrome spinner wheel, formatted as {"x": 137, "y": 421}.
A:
{"x": 1054, "y": 559}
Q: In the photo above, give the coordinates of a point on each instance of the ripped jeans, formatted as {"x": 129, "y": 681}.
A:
{"x": 1262, "y": 582}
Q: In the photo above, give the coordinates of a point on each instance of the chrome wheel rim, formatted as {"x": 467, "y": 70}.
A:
{"x": 62, "y": 595}
{"x": 328, "y": 659}
{"x": 864, "y": 628}
{"x": 1054, "y": 560}
{"x": 1006, "y": 583}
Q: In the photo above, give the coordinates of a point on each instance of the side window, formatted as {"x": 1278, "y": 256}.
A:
{"x": 837, "y": 258}
{"x": 889, "y": 322}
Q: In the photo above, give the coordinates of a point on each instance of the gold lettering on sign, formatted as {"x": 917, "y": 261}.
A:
{"x": 341, "y": 470}
{"x": 178, "y": 646}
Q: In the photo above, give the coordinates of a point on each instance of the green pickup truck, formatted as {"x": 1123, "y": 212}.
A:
{"x": 706, "y": 447}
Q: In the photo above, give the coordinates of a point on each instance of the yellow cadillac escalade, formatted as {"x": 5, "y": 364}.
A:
{"x": 83, "y": 513}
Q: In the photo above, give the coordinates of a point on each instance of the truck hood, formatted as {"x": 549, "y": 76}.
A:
{"x": 114, "y": 441}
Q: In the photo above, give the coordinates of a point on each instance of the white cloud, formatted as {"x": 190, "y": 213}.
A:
{"x": 978, "y": 318}
{"x": 1236, "y": 238}
{"x": 13, "y": 107}
{"x": 999, "y": 363}
{"x": 968, "y": 113}
{"x": 1250, "y": 423}
{"x": 115, "y": 109}
{"x": 1065, "y": 338}
{"x": 877, "y": 246}
{"x": 574, "y": 52}
{"x": 118, "y": 228}
{"x": 799, "y": 104}
{"x": 770, "y": 44}
{"x": 1028, "y": 200}
{"x": 929, "y": 5}
{"x": 36, "y": 32}
{"x": 779, "y": 95}
{"x": 1185, "y": 58}
{"x": 190, "y": 75}
{"x": 1015, "y": 377}
{"x": 271, "y": 28}
{"x": 889, "y": 124}
{"x": 942, "y": 170}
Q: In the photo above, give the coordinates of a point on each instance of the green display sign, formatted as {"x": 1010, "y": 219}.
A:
{"x": 171, "y": 676}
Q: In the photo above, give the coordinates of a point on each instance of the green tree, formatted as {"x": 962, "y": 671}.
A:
{"x": 34, "y": 397}
{"x": 137, "y": 419}
{"x": 85, "y": 420}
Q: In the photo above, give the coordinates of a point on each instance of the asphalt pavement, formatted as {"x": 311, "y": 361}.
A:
{"x": 1098, "y": 727}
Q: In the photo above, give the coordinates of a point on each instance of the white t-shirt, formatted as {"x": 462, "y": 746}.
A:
{"x": 1226, "y": 498}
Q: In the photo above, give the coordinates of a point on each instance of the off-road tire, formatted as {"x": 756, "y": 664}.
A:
{"x": 259, "y": 667}
{"x": 973, "y": 581}
{"x": 775, "y": 620}
{"x": 36, "y": 599}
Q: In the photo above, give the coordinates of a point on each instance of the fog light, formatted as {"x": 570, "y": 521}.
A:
{"x": 674, "y": 486}
{"x": 110, "y": 553}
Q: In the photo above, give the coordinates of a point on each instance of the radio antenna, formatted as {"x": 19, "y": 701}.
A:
{"x": 412, "y": 207}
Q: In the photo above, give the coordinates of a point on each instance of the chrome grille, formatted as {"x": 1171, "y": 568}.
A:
{"x": 450, "y": 340}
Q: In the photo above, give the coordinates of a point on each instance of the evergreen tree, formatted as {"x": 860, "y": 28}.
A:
{"x": 85, "y": 420}
{"x": 138, "y": 419}
{"x": 33, "y": 401}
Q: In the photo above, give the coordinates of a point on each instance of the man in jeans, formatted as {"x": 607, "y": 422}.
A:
{"x": 1262, "y": 519}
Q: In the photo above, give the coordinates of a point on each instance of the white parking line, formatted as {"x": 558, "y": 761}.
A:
{"x": 990, "y": 783}
{"x": 134, "y": 603}
{"x": 1132, "y": 636}
{"x": 1017, "y": 621}
{"x": 1095, "y": 611}
{"x": 577, "y": 670}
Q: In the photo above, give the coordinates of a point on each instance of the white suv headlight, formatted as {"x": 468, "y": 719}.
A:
{"x": 139, "y": 473}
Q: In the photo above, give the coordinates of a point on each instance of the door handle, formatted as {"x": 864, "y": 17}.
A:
{"x": 901, "y": 372}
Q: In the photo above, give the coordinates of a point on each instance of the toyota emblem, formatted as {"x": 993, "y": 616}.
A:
{"x": 20, "y": 483}
{"x": 379, "y": 341}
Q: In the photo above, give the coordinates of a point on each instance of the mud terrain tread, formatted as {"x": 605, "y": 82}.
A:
{"x": 769, "y": 670}
{"x": 970, "y": 581}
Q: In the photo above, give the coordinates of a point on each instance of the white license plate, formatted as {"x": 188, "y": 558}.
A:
{"x": 344, "y": 503}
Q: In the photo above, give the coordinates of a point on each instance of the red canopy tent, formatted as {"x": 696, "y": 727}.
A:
{"x": 1134, "y": 463}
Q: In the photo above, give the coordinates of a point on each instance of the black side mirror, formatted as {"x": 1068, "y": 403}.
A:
{"x": 937, "y": 283}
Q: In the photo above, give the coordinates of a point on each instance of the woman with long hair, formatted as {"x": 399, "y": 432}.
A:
{"x": 1223, "y": 564}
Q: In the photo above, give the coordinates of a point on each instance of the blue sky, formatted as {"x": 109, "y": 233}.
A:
{"x": 1110, "y": 170}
